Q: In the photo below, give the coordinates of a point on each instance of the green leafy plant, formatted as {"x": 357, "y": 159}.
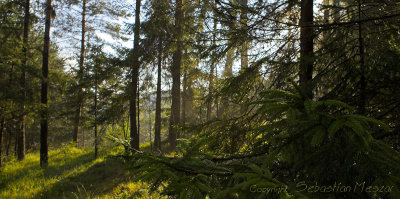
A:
{"x": 300, "y": 142}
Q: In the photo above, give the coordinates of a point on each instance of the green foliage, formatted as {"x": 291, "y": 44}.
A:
{"x": 314, "y": 142}
{"x": 72, "y": 173}
{"x": 195, "y": 174}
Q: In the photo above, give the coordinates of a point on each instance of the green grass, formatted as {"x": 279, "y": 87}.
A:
{"x": 71, "y": 173}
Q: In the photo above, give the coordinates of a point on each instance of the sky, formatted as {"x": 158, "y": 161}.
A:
{"x": 68, "y": 52}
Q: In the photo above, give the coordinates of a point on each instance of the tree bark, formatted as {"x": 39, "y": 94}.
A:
{"x": 211, "y": 76}
{"x": 79, "y": 101}
{"x": 21, "y": 132}
{"x": 306, "y": 47}
{"x": 227, "y": 73}
{"x": 149, "y": 111}
{"x": 1, "y": 139}
{"x": 45, "y": 74}
{"x": 138, "y": 109}
{"x": 157, "y": 125}
{"x": 8, "y": 129}
{"x": 184, "y": 97}
{"x": 95, "y": 118}
{"x": 361, "y": 105}
{"x": 176, "y": 81}
{"x": 134, "y": 81}
{"x": 244, "y": 61}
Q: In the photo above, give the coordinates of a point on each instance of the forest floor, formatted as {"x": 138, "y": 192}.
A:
{"x": 71, "y": 173}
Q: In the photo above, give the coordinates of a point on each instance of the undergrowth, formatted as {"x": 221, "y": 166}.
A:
{"x": 71, "y": 173}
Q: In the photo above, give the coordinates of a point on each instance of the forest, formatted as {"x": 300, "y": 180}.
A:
{"x": 200, "y": 99}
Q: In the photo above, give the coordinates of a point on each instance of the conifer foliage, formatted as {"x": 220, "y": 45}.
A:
{"x": 302, "y": 142}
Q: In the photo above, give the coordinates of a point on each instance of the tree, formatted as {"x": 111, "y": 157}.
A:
{"x": 157, "y": 125}
{"x": 212, "y": 68}
{"x": 80, "y": 74}
{"x": 1, "y": 139}
{"x": 96, "y": 18}
{"x": 361, "y": 105}
{"x": 134, "y": 79}
{"x": 21, "y": 133}
{"x": 45, "y": 73}
{"x": 306, "y": 46}
{"x": 176, "y": 75}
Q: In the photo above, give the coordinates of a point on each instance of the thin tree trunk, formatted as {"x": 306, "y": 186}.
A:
{"x": 211, "y": 76}
{"x": 45, "y": 73}
{"x": 228, "y": 67}
{"x": 21, "y": 132}
{"x": 151, "y": 144}
{"x": 184, "y": 97}
{"x": 176, "y": 81}
{"x": 79, "y": 102}
{"x": 15, "y": 142}
{"x": 1, "y": 139}
{"x": 95, "y": 119}
{"x": 245, "y": 46}
{"x": 306, "y": 47}
{"x": 244, "y": 62}
{"x": 123, "y": 127}
{"x": 134, "y": 83}
{"x": 8, "y": 129}
{"x": 138, "y": 109}
{"x": 157, "y": 125}
{"x": 227, "y": 73}
{"x": 361, "y": 105}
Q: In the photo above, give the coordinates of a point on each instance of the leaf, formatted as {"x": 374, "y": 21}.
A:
{"x": 334, "y": 127}
{"x": 256, "y": 169}
{"x": 203, "y": 187}
{"x": 372, "y": 121}
{"x": 338, "y": 103}
{"x": 318, "y": 135}
{"x": 307, "y": 106}
{"x": 291, "y": 116}
{"x": 183, "y": 194}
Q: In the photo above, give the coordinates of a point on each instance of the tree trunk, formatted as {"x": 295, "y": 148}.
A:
{"x": 361, "y": 105}
{"x": 138, "y": 109}
{"x": 21, "y": 132}
{"x": 184, "y": 97}
{"x": 244, "y": 62}
{"x": 95, "y": 118}
{"x": 45, "y": 73}
{"x": 227, "y": 73}
{"x": 157, "y": 125}
{"x": 306, "y": 47}
{"x": 8, "y": 129}
{"x": 149, "y": 111}
{"x": 211, "y": 76}
{"x": 176, "y": 81}
{"x": 1, "y": 138}
{"x": 15, "y": 142}
{"x": 79, "y": 101}
{"x": 134, "y": 83}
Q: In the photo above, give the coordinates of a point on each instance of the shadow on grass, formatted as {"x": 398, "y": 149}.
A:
{"x": 7, "y": 178}
{"x": 96, "y": 180}
{"x": 53, "y": 170}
